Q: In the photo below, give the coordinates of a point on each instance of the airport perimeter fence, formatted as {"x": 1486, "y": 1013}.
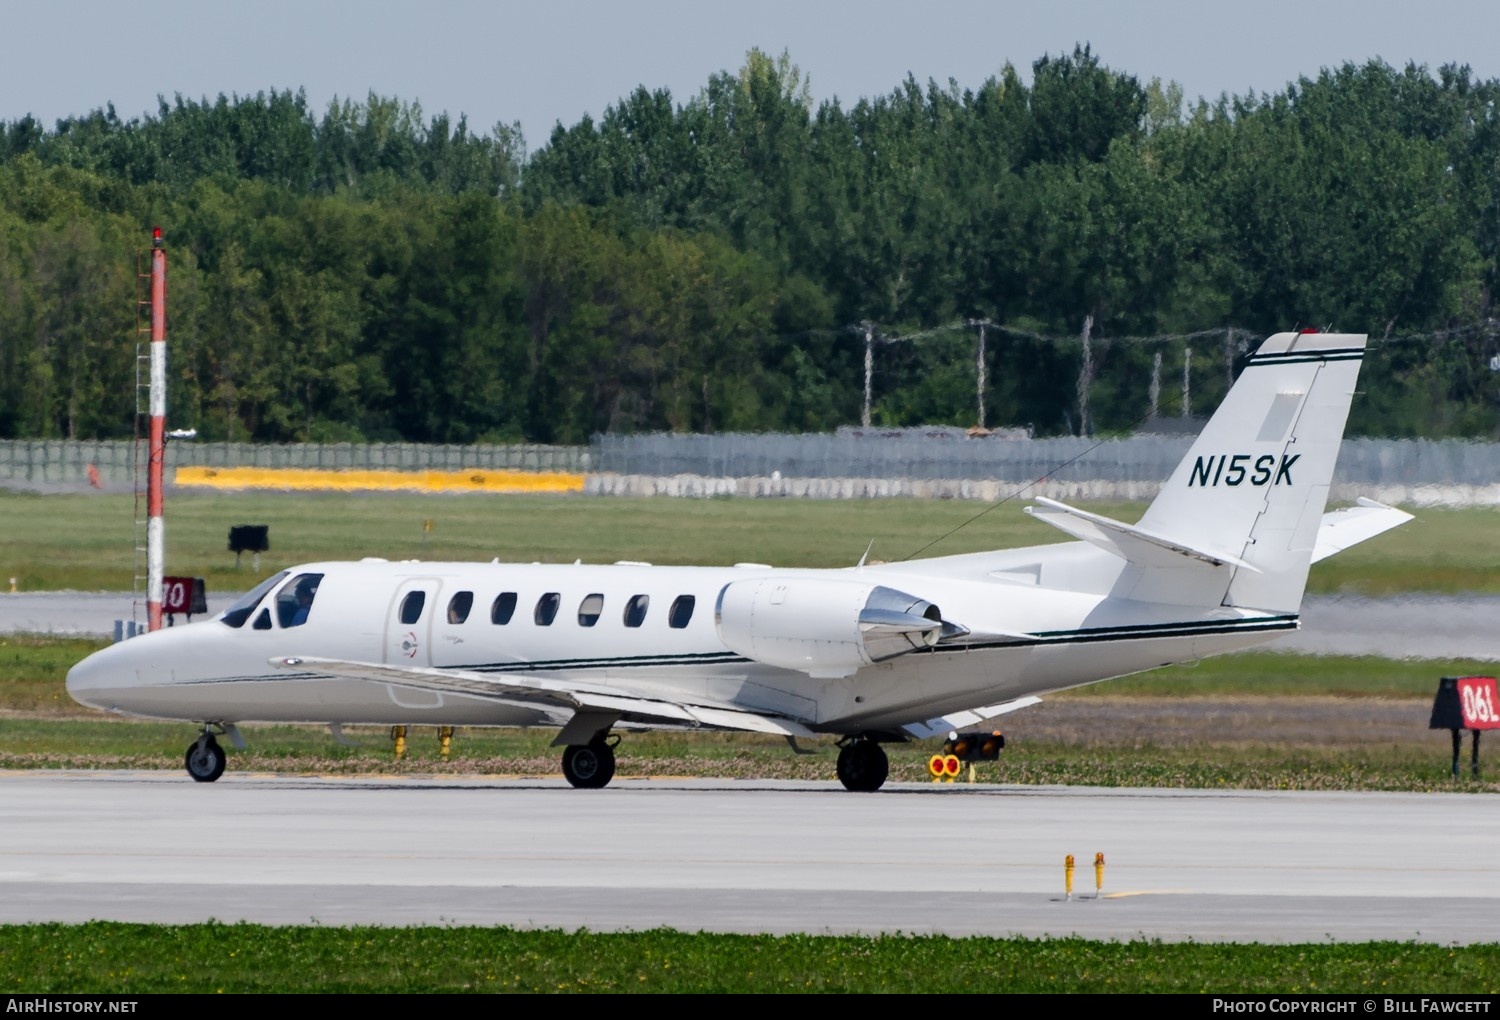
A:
{"x": 910, "y": 454}
{"x": 912, "y": 462}
{"x": 61, "y": 462}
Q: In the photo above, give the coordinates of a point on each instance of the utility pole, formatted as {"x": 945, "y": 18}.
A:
{"x": 1155, "y": 386}
{"x": 979, "y": 372}
{"x": 1187, "y": 386}
{"x": 864, "y": 418}
{"x": 1086, "y": 378}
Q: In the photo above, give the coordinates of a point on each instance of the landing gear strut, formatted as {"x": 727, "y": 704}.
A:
{"x": 591, "y": 766}
{"x": 205, "y": 758}
{"x": 862, "y": 765}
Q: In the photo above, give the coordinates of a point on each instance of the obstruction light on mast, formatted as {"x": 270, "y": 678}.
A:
{"x": 155, "y": 538}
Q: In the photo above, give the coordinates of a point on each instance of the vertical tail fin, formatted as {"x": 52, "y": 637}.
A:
{"x": 1254, "y": 485}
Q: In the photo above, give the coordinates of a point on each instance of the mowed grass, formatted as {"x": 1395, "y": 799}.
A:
{"x": 129, "y": 959}
{"x": 85, "y": 541}
{"x": 1416, "y": 762}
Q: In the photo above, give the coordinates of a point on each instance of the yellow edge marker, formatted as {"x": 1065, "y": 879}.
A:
{"x": 353, "y": 481}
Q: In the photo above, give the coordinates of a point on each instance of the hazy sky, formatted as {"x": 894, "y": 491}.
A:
{"x": 541, "y": 62}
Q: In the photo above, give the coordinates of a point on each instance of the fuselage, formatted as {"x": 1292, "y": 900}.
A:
{"x": 652, "y": 632}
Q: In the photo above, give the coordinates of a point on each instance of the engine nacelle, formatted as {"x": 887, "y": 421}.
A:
{"x": 824, "y": 627}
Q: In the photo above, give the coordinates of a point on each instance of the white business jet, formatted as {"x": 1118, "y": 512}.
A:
{"x": 872, "y": 653}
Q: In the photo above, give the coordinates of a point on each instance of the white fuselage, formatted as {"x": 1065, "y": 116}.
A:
{"x": 624, "y": 628}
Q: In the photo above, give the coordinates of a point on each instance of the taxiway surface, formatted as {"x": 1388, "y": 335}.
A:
{"x": 743, "y": 856}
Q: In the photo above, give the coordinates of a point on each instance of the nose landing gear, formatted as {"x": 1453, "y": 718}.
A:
{"x": 205, "y": 758}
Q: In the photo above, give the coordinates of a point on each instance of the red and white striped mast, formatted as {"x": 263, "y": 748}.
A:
{"x": 155, "y": 534}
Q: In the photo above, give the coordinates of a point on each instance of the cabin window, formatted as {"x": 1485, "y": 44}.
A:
{"x": 294, "y": 602}
{"x": 546, "y": 609}
{"x": 635, "y": 610}
{"x": 589, "y": 609}
{"x": 411, "y": 606}
{"x": 459, "y": 606}
{"x": 237, "y": 614}
{"x": 681, "y": 611}
{"x": 503, "y": 608}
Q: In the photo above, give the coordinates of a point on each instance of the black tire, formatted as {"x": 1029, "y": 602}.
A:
{"x": 206, "y": 760}
{"x": 589, "y": 766}
{"x": 863, "y": 766}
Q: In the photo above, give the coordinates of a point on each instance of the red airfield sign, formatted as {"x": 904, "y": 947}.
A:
{"x": 1480, "y": 702}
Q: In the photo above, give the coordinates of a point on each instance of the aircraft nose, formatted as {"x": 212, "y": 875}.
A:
{"x": 83, "y": 680}
{"x": 90, "y": 681}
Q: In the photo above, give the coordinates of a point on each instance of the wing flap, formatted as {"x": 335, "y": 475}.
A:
{"x": 943, "y": 725}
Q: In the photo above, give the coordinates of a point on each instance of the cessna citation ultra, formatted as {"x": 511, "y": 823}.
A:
{"x": 873, "y": 653}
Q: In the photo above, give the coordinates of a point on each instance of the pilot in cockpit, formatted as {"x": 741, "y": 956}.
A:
{"x": 306, "y": 589}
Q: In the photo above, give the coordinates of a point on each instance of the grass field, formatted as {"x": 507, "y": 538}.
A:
{"x": 126, "y": 959}
{"x": 85, "y": 541}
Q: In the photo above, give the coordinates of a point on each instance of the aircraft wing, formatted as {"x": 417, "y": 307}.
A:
{"x": 943, "y": 725}
{"x": 1342, "y": 528}
{"x": 541, "y": 692}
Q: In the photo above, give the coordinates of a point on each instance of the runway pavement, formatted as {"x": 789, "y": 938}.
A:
{"x": 775, "y": 857}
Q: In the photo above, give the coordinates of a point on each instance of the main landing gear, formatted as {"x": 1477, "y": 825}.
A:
{"x": 862, "y": 764}
{"x": 205, "y": 758}
{"x": 591, "y": 766}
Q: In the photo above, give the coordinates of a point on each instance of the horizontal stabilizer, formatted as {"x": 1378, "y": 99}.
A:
{"x": 943, "y": 725}
{"x": 1126, "y": 540}
{"x": 1343, "y": 528}
{"x": 516, "y": 689}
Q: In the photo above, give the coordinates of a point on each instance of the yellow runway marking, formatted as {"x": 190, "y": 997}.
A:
{"x": 476, "y": 480}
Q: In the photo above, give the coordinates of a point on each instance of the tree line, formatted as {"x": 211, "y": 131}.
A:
{"x": 718, "y": 263}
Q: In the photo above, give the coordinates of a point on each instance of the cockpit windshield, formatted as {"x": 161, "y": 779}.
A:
{"x": 237, "y": 614}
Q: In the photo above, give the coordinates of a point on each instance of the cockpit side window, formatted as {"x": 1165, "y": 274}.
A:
{"x": 295, "y": 600}
{"x": 237, "y": 614}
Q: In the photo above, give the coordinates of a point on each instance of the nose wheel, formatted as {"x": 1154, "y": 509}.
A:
{"x": 206, "y": 759}
{"x": 590, "y": 766}
{"x": 863, "y": 766}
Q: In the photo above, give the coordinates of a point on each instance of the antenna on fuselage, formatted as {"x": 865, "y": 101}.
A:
{"x": 866, "y": 556}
